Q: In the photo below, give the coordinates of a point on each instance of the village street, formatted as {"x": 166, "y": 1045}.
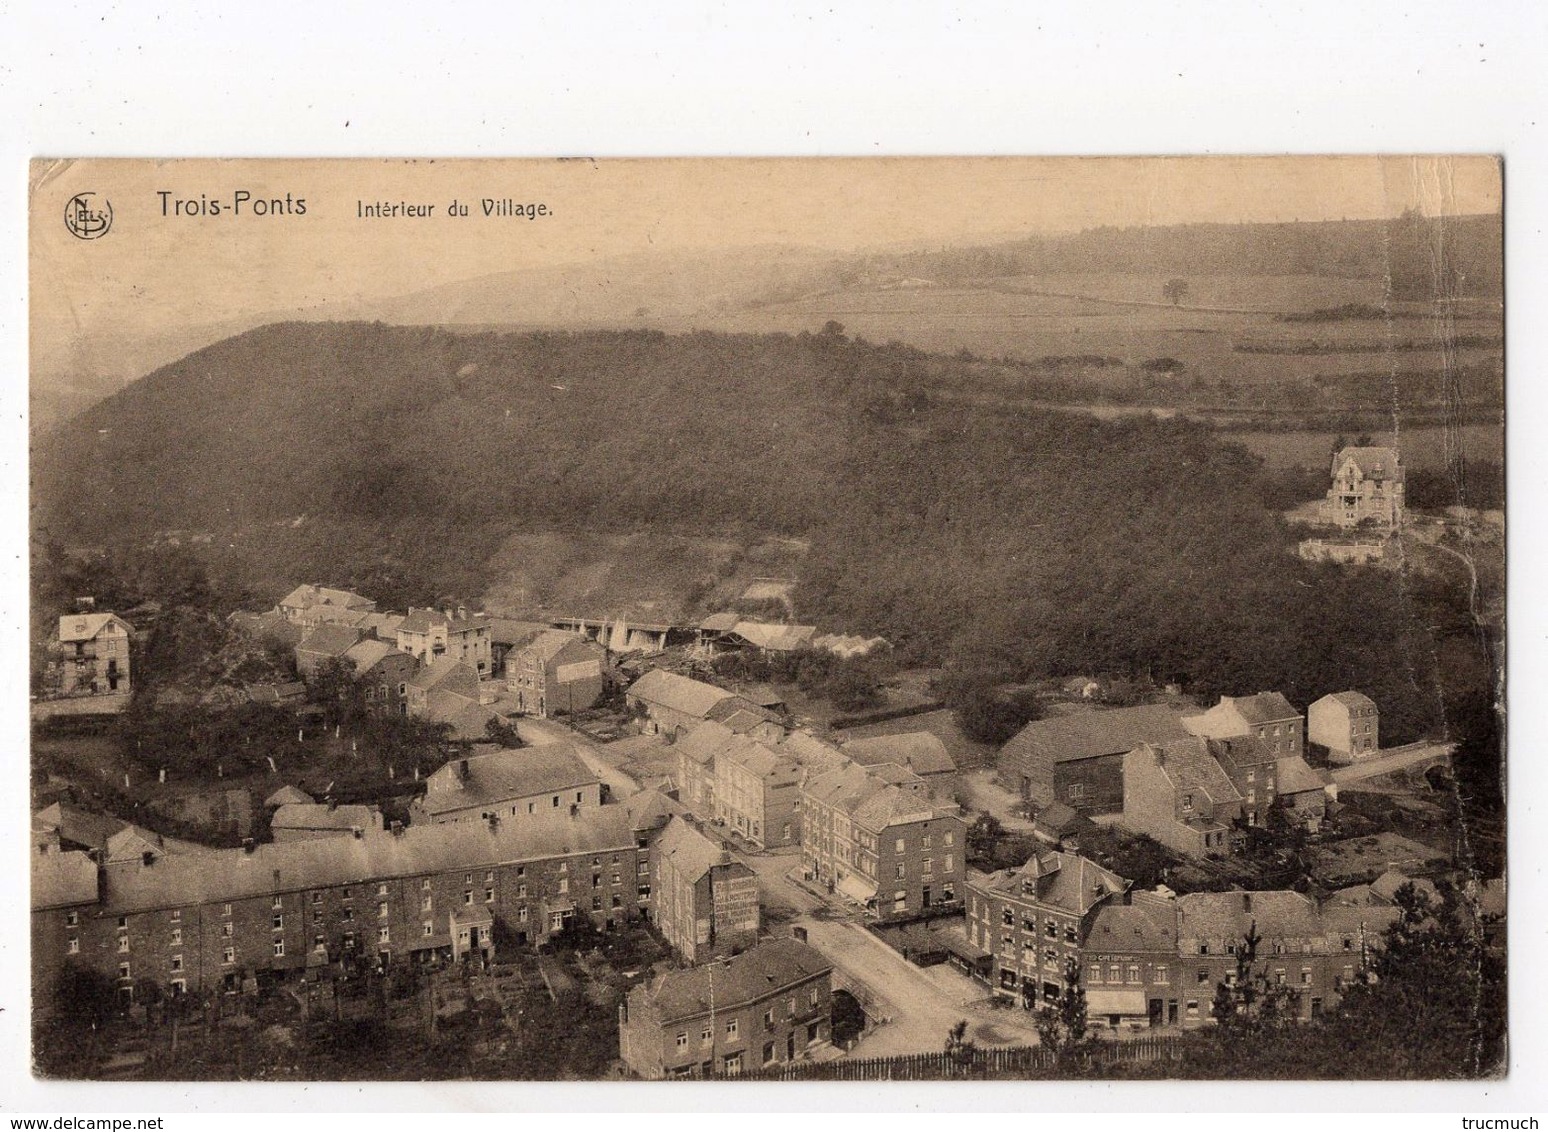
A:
{"x": 921, "y": 1004}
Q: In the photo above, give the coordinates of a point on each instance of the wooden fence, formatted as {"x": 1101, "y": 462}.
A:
{"x": 943, "y": 1066}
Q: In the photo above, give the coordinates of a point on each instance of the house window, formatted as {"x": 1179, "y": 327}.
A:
{"x": 898, "y": 846}
{"x": 1193, "y": 1008}
{"x": 682, "y": 1039}
{"x": 123, "y": 944}
{"x": 1203, "y": 975}
{"x": 1050, "y": 929}
{"x": 177, "y": 914}
{"x": 74, "y": 946}
{"x": 1114, "y": 973}
{"x": 228, "y": 956}
{"x": 521, "y": 915}
{"x": 279, "y": 923}
{"x": 317, "y": 898}
{"x": 425, "y": 904}
{"x": 1187, "y": 803}
{"x": 1077, "y": 791}
{"x": 1162, "y": 977}
{"x": 706, "y": 1035}
{"x": 768, "y": 1019}
{"x": 488, "y": 896}
{"x": 277, "y": 903}
{"x": 1134, "y": 973}
{"x": 948, "y": 892}
{"x": 225, "y": 930}
{"x": 564, "y": 884}
{"x": 901, "y": 870}
{"x": 813, "y": 997}
{"x": 225, "y": 909}
{"x": 768, "y": 1052}
{"x": 1306, "y": 974}
{"x": 732, "y": 1028}
{"x": 1094, "y": 974}
{"x": 177, "y": 937}
{"x": 925, "y": 842}
{"x": 384, "y": 935}
{"x": 123, "y": 970}
{"x": 949, "y": 838}
{"x": 467, "y": 897}
{"x": 733, "y": 1064}
{"x": 1008, "y": 917}
{"x": 1204, "y": 948}
{"x": 1069, "y": 935}
{"x": 927, "y": 866}
{"x": 177, "y": 962}
{"x": 279, "y": 947}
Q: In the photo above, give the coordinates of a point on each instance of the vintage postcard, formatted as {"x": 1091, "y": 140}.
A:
{"x": 790, "y": 620}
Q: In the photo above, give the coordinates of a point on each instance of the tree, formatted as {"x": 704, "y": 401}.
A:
{"x": 983, "y": 712}
{"x": 502, "y": 732}
{"x": 1174, "y": 291}
{"x": 961, "y": 1052}
{"x": 1061, "y": 1026}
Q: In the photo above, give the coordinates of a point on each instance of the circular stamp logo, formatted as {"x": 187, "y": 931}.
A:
{"x": 88, "y": 216}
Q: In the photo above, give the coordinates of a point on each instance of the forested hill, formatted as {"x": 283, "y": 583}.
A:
{"x": 1004, "y": 538}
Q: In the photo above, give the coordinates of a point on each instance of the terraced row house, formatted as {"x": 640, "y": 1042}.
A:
{"x": 745, "y": 784}
{"x": 220, "y": 919}
{"x": 1152, "y": 958}
{"x": 766, "y": 1006}
{"x": 875, "y": 836}
{"x": 705, "y": 902}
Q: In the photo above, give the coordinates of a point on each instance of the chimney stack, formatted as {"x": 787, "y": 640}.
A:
{"x": 247, "y": 845}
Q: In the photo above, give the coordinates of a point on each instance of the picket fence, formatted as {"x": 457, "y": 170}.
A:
{"x": 944, "y": 1066}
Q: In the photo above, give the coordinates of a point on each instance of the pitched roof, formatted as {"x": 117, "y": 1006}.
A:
{"x": 62, "y": 879}
{"x": 1190, "y": 766}
{"x": 719, "y": 622}
{"x": 729, "y": 983}
{"x": 276, "y": 693}
{"x": 288, "y": 866}
{"x": 651, "y": 809}
{"x": 382, "y": 624}
{"x": 811, "y": 751}
{"x": 891, "y": 806}
{"x": 845, "y": 645}
{"x": 775, "y": 638}
{"x": 306, "y": 595}
{"x": 85, "y": 626}
{"x": 319, "y": 815}
{"x": 678, "y": 693}
{"x": 551, "y": 642}
{"x": 1349, "y": 699}
{"x": 286, "y": 795}
{"x": 741, "y": 715}
{"x": 691, "y": 853}
{"x": 1060, "y": 880}
{"x": 1389, "y": 882}
{"x": 438, "y": 671}
{"x": 921, "y": 751}
{"x": 365, "y": 655}
{"x": 77, "y": 826}
{"x": 1296, "y": 776}
{"x": 1089, "y": 734}
{"x": 1237, "y": 715}
{"x": 757, "y": 758}
{"x": 1134, "y": 927}
{"x": 424, "y": 620}
{"x": 1374, "y": 463}
{"x": 763, "y": 696}
{"x": 329, "y": 640}
{"x": 469, "y": 721}
{"x": 705, "y": 741}
{"x": 1228, "y": 915}
{"x": 503, "y": 775}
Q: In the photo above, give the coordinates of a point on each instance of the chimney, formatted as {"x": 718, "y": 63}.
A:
{"x": 462, "y": 769}
{"x": 147, "y": 858}
{"x": 333, "y": 804}
{"x": 1246, "y": 902}
{"x": 247, "y": 844}
{"x": 397, "y": 829}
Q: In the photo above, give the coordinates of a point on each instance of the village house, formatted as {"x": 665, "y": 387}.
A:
{"x": 1035, "y": 920}
{"x": 1259, "y": 743}
{"x": 1078, "y": 758}
{"x": 696, "y": 752}
{"x": 765, "y": 1006}
{"x": 920, "y": 751}
{"x": 324, "y": 643}
{"x": 381, "y": 626}
{"x": 1367, "y": 488}
{"x": 1346, "y": 725}
{"x": 555, "y": 673}
{"x": 429, "y": 635}
{"x": 705, "y": 901}
{"x": 507, "y": 634}
{"x": 509, "y": 785}
{"x": 94, "y": 654}
{"x": 297, "y": 821}
{"x": 1311, "y": 954}
{"x": 1129, "y": 963}
{"x": 310, "y": 605}
{"x": 286, "y": 795}
{"x": 442, "y": 678}
{"x": 383, "y": 673}
{"x": 1178, "y": 793}
{"x": 675, "y": 703}
{"x": 875, "y": 836}
{"x": 218, "y": 919}
{"x": 758, "y": 794}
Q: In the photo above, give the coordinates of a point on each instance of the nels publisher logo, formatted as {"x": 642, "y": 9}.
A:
{"x": 88, "y": 216}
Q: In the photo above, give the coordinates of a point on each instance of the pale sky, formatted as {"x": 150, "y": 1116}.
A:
{"x": 164, "y": 271}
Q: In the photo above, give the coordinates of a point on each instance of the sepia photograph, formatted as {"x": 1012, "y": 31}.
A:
{"x": 786, "y": 620}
